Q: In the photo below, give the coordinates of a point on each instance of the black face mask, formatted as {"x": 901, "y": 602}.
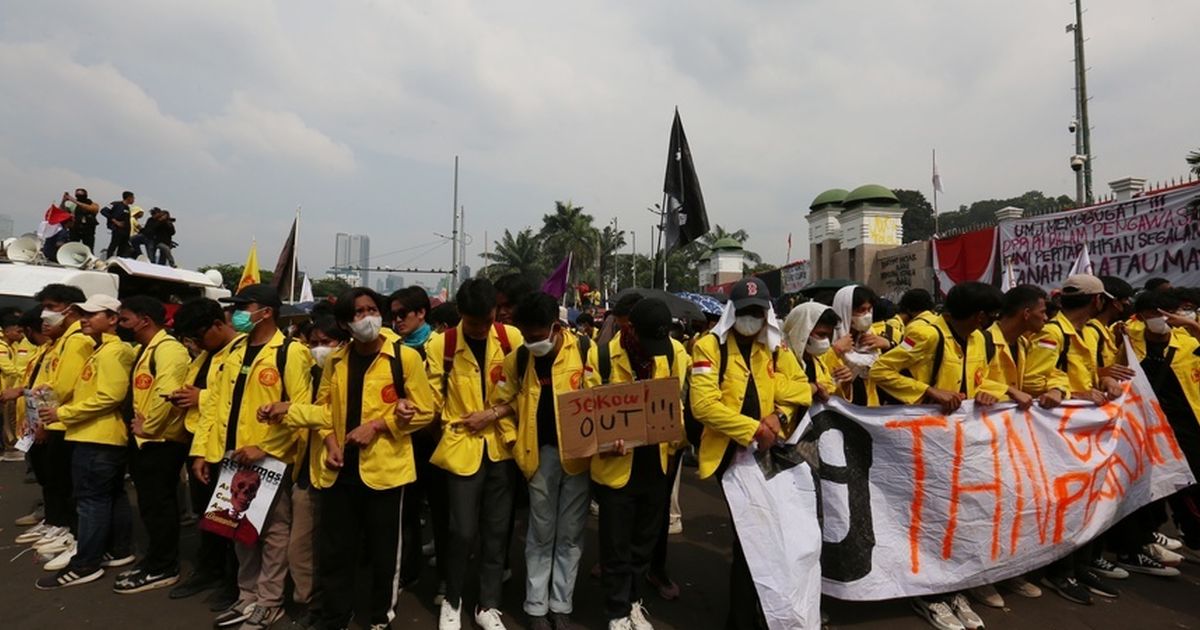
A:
{"x": 126, "y": 334}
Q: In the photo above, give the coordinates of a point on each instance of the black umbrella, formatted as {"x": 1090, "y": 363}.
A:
{"x": 681, "y": 309}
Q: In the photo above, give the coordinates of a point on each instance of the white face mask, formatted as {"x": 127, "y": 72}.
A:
{"x": 1158, "y": 325}
{"x": 1187, "y": 314}
{"x": 321, "y": 354}
{"x": 541, "y": 348}
{"x": 367, "y": 329}
{"x": 862, "y": 323}
{"x": 53, "y": 319}
{"x": 817, "y": 347}
{"x": 748, "y": 325}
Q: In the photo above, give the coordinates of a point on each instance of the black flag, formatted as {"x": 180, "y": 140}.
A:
{"x": 685, "y": 220}
{"x": 285, "y": 267}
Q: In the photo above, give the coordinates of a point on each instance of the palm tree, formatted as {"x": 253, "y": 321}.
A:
{"x": 516, "y": 254}
{"x": 1193, "y": 160}
{"x": 569, "y": 231}
{"x": 610, "y": 242}
{"x": 717, "y": 233}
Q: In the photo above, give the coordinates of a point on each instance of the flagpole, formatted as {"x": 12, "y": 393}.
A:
{"x": 935, "y": 206}
{"x": 662, "y": 241}
{"x": 570, "y": 255}
{"x": 295, "y": 257}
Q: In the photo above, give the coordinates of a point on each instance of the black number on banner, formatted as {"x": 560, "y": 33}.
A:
{"x": 848, "y": 559}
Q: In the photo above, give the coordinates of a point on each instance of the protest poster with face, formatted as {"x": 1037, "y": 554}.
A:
{"x": 243, "y": 498}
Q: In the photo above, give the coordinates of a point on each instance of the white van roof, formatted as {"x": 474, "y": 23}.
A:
{"x": 26, "y": 280}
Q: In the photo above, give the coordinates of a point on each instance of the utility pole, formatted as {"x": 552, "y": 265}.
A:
{"x": 1083, "y": 130}
{"x": 454, "y": 236}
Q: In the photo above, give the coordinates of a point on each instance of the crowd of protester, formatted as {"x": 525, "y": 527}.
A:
{"x": 395, "y": 418}
{"x": 132, "y": 231}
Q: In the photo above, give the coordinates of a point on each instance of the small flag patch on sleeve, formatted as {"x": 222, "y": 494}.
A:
{"x": 909, "y": 343}
{"x": 702, "y": 367}
{"x": 1048, "y": 343}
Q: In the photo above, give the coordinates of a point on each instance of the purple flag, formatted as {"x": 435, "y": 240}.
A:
{"x": 556, "y": 284}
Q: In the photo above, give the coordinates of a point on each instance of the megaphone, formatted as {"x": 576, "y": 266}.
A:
{"x": 74, "y": 255}
{"x": 23, "y": 249}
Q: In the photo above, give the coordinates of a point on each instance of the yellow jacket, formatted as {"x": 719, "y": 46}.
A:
{"x": 921, "y": 319}
{"x": 1006, "y": 368}
{"x": 459, "y": 451}
{"x": 1060, "y": 358}
{"x": 264, "y": 385}
{"x": 10, "y": 370}
{"x": 388, "y": 461}
{"x": 892, "y": 330}
{"x": 831, "y": 362}
{"x": 194, "y": 419}
{"x": 820, "y": 372}
{"x": 1185, "y": 364}
{"x": 614, "y": 471}
{"x": 718, "y": 404}
{"x": 94, "y": 413}
{"x": 65, "y": 361}
{"x": 906, "y": 371}
{"x": 1102, "y": 341}
{"x": 170, "y": 360}
{"x": 25, "y": 351}
{"x": 35, "y": 374}
{"x": 569, "y": 373}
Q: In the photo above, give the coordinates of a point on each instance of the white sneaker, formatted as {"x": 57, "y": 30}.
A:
{"x": 33, "y": 534}
{"x": 594, "y": 509}
{"x": 987, "y": 595}
{"x": 1172, "y": 544}
{"x": 61, "y": 561}
{"x": 13, "y": 456}
{"x": 56, "y": 545}
{"x": 49, "y": 533}
{"x": 1163, "y": 555}
{"x": 962, "y": 609}
{"x": 451, "y": 617}
{"x": 938, "y": 614}
{"x": 620, "y": 624}
{"x": 1023, "y": 587}
{"x": 675, "y": 526}
{"x": 489, "y": 619}
{"x": 637, "y": 617}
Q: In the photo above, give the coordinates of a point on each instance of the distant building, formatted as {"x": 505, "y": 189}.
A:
{"x": 352, "y": 256}
{"x": 394, "y": 283}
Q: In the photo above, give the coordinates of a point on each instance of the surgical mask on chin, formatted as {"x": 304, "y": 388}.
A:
{"x": 862, "y": 323}
{"x": 748, "y": 325}
{"x": 541, "y": 348}
{"x": 367, "y": 329}
{"x": 817, "y": 347}
{"x": 321, "y": 354}
{"x": 53, "y": 319}
{"x": 242, "y": 321}
{"x": 1158, "y": 325}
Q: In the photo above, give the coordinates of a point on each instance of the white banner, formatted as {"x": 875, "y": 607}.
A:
{"x": 243, "y": 498}
{"x": 1156, "y": 235}
{"x": 914, "y": 502}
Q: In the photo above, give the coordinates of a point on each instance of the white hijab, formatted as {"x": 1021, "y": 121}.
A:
{"x": 771, "y": 334}
{"x": 799, "y": 324}
{"x": 858, "y": 360}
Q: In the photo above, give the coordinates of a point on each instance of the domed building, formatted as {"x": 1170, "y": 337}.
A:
{"x": 724, "y": 262}
{"x": 847, "y": 228}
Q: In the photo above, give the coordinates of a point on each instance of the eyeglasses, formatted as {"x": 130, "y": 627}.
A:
{"x": 398, "y": 315}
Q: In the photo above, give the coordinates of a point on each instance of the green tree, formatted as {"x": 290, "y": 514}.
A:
{"x": 717, "y": 233}
{"x": 516, "y": 254}
{"x": 569, "y": 230}
{"x": 330, "y": 287}
{"x": 1193, "y": 160}
{"x": 918, "y": 215}
{"x": 610, "y": 241}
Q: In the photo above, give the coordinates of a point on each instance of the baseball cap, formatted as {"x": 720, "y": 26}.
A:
{"x": 98, "y": 303}
{"x": 651, "y": 321}
{"x": 1083, "y": 284}
{"x": 263, "y": 294}
{"x": 626, "y": 304}
{"x": 750, "y": 292}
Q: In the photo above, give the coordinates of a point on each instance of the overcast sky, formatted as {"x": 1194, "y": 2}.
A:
{"x": 232, "y": 113}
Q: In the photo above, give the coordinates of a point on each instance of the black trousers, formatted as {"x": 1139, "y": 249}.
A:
{"x": 658, "y": 565}
{"x": 1074, "y": 564}
{"x": 631, "y": 520}
{"x": 155, "y": 469}
{"x": 430, "y": 487}
{"x": 356, "y": 520}
{"x": 214, "y": 555}
{"x": 480, "y": 507}
{"x": 119, "y": 245}
{"x": 51, "y": 461}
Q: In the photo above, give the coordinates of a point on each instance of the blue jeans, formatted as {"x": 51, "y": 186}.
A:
{"x": 140, "y": 242}
{"x": 105, "y": 520}
{"x": 558, "y": 508}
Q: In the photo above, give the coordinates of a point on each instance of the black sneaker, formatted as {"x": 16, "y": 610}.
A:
{"x": 142, "y": 580}
{"x": 540, "y": 622}
{"x": 561, "y": 621}
{"x": 196, "y": 583}
{"x": 1097, "y": 586}
{"x": 1141, "y": 563}
{"x": 1069, "y": 589}
{"x": 110, "y": 561}
{"x": 69, "y": 577}
{"x": 239, "y": 612}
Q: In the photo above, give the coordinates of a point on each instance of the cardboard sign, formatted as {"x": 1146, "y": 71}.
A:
{"x": 644, "y": 412}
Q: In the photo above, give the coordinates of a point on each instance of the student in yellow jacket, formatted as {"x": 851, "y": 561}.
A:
{"x": 31, "y": 324}
{"x": 262, "y": 368}
{"x": 95, "y": 425}
{"x": 374, "y": 394}
{"x": 1062, "y": 364}
{"x": 1023, "y": 315}
{"x": 10, "y": 375}
{"x": 159, "y": 371}
{"x": 552, "y": 361}
{"x": 633, "y": 486}
{"x": 203, "y": 323}
{"x": 746, "y": 390}
{"x": 465, "y": 365}
{"x": 1103, "y": 330}
{"x": 808, "y": 329}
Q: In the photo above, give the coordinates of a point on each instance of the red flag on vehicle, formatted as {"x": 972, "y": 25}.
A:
{"x": 56, "y": 215}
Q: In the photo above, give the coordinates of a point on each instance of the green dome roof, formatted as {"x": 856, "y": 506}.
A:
{"x": 726, "y": 243}
{"x": 871, "y": 193}
{"x": 831, "y": 197}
